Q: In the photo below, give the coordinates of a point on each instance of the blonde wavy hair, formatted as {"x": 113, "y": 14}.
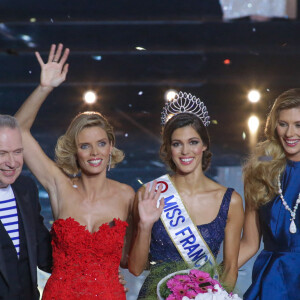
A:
{"x": 66, "y": 147}
{"x": 268, "y": 158}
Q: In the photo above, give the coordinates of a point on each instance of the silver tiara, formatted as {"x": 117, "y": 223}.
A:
{"x": 185, "y": 103}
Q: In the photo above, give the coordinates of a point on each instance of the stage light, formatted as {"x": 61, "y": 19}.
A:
{"x": 140, "y": 48}
{"x": 253, "y": 123}
{"x": 90, "y": 97}
{"x": 25, "y": 37}
{"x": 170, "y": 95}
{"x": 227, "y": 61}
{"x": 31, "y": 45}
{"x": 97, "y": 57}
{"x": 254, "y": 96}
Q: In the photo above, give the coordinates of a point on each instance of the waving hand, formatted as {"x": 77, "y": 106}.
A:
{"x": 147, "y": 212}
{"x": 54, "y": 72}
{"x": 150, "y": 207}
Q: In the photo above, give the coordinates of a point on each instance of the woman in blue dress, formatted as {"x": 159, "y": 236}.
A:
{"x": 214, "y": 213}
{"x": 272, "y": 193}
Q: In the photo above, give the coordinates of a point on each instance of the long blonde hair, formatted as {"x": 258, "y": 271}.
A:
{"x": 66, "y": 148}
{"x": 268, "y": 158}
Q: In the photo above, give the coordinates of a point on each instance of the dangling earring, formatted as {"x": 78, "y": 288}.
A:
{"x": 109, "y": 162}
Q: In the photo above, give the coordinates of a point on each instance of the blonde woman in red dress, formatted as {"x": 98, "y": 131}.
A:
{"x": 91, "y": 212}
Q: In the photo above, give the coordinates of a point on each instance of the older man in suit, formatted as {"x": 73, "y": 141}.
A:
{"x": 24, "y": 240}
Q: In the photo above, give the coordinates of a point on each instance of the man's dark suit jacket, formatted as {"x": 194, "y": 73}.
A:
{"x": 37, "y": 238}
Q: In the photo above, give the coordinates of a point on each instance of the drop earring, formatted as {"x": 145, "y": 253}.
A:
{"x": 109, "y": 162}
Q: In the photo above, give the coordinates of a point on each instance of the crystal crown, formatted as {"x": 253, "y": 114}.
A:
{"x": 185, "y": 103}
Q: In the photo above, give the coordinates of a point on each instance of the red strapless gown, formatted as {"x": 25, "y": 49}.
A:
{"x": 85, "y": 265}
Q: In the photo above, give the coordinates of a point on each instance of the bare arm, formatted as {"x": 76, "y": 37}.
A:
{"x": 232, "y": 240}
{"x": 145, "y": 214}
{"x": 127, "y": 242}
{"x": 129, "y": 231}
{"x": 251, "y": 236}
{"x": 52, "y": 74}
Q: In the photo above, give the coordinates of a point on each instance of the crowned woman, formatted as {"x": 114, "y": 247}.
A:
{"x": 195, "y": 214}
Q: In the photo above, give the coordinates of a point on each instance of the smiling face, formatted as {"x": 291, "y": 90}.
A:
{"x": 187, "y": 149}
{"x": 11, "y": 155}
{"x": 93, "y": 150}
{"x": 288, "y": 130}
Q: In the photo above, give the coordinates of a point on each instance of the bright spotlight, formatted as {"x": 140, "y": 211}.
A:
{"x": 170, "y": 95}
{"x": 254, "y": 96}
{"x": 97, "y": 57}
{"x": 25, "y": 37}
{"x": 253, "y": 123}
{"x": 140, "y": 48}
{"x": 90, "y": 97}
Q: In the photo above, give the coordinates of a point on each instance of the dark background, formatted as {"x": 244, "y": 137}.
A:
{"x": 186, "y": 44}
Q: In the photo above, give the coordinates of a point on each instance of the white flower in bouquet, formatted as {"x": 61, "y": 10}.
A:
{"x": 218, "y": 293}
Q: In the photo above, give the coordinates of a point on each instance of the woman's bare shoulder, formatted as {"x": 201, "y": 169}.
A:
{"x": 236, "y": 198}
{"x": 124, "y": 189}
{"x": 213, "y": 186}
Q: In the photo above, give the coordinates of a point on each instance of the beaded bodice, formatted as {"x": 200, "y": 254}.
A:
{"x": 162, "y": 248}
{"x": 85, "y": 265}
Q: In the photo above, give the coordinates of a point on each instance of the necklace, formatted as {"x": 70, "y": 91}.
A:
{"x": 293, "y": 228}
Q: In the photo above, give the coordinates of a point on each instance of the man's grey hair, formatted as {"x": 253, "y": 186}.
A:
{"x": 8, "y": 121}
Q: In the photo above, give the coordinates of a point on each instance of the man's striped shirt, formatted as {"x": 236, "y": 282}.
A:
{"x": 9, "y": 215}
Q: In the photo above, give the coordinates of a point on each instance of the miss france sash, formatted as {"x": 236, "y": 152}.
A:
{"x": 181, "y": 229}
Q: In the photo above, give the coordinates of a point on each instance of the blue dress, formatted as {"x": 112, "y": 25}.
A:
{"x": 276, "y": 272}
{"x": 162, "y": 249}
